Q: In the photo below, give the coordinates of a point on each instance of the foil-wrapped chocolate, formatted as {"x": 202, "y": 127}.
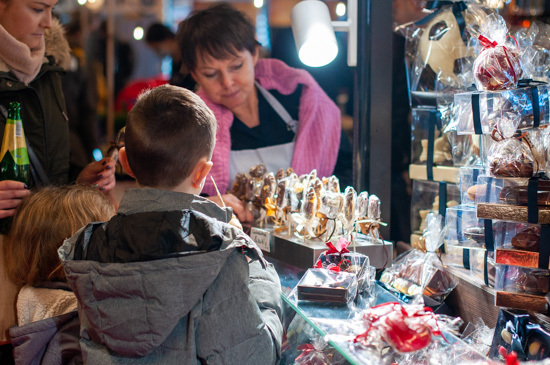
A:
{"x": 362, "y": 205}
{"x": 350, "y": 197}
{"x": 309, "y": 206}
{"x": 374, "y": 212}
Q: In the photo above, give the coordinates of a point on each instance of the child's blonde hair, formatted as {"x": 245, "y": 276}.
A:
{"x": 41, "y": 223}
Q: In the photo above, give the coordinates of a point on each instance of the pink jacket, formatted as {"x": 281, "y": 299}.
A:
{"x": 319, "y": 127}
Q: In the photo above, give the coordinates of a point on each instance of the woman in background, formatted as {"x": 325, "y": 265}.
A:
{"x": 33, "y": 56}
{"x": 267, "y": 112}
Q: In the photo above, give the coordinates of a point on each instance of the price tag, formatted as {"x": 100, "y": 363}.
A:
{"x": 262, "y": 238}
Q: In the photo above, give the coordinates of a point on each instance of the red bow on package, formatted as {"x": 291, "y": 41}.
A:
{"x": 341, "y": 246}
{"x": 333, "y": 252}
{"x": 311, "y": 356}
{"x": 497, "y": 67}
{"x": 406, "y": 329}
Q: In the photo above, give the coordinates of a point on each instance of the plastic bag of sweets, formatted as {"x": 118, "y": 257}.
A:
{"x": 497, "y": 67}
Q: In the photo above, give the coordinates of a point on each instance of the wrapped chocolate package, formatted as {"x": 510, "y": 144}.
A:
{"x": 405, "y": 328}
{"x": 480, "y": 262}
{"x": 535, "y": 50}
{"x": 426, "y": 120}
{"x": 323, "y": 285}
{"x": 517, "y": 331}
{"x": 518, "y": 236}
{"x": 438, "y": 54}
{"x": 519, "y": 155}
{"x": 425, "y": 199}
{"x": 415, "y": 272}
{"x": 338, "y": 258}
{"x": 507, "y": 191}
{"x": 514, "y": 106}
{"x": 515, "y": 279}
{"x": 467, "y": 178}
{"x": 463, "y": 227}
{"x": 497, "y": 66}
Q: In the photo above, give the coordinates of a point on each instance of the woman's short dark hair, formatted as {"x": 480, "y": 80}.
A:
{"x": 219, "y": 31}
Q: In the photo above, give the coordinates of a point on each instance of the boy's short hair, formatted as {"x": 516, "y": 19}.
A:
{"x": 168, "y": 131}
{"x": 219, "y": 31}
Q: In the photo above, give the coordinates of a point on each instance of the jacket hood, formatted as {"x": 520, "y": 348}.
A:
{"x": 57, "y": 47}
{"x": 33, "y": 342}
{"x": 136, "y": 281}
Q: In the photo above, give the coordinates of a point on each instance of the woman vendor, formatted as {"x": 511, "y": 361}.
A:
{"x": 267, "y": 112}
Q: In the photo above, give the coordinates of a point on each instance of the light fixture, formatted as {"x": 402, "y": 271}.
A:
{"x": 138, "y": 33}
{"x": 95, "y": 5}
{"x": 81, "y": 2}
{"x": 340, "y": 9}
{"x": 314, "y": 32}
{"x": 258, "y": 3}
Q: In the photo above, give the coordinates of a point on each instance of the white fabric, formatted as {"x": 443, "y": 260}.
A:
{"x": 35, "y": 304}
{"x": 273, "y": 157}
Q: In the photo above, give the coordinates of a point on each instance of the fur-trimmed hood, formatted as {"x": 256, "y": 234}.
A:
{"x": 56, "y": 47}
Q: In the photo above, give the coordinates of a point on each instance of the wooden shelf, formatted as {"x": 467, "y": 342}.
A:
{"x": 512, "y": 213}
{"x": 508, "y": 256}
{"x": 441, "y": 173}
{"x": 535, "y": 303}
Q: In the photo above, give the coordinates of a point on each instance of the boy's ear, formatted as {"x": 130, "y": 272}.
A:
{"x": 123, "y": 158}
{"x": 201, "y": 170}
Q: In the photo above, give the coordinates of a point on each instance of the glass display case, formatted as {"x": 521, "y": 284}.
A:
{"x": 324, "y": 332}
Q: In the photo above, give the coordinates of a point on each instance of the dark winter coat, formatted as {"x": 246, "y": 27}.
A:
{"x": 166, "y": 281}
{"x": 43, "y": 108}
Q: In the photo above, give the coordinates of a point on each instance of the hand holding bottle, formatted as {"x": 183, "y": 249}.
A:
{"x": 99, "y": 174}
{"x": 11, "y": 193}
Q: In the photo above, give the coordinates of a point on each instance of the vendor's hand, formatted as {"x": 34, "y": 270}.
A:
{"x": 99, "y": 174}
{"x": 232, "y": 201}
{"x": 11, "y": 193}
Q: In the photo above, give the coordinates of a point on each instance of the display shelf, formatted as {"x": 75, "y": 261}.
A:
{"x": 303, "y": 253}
{"x": 528, "y": 302}
{"x": 516, "y": 257}
{"x": 511, "y": 213}
{"x": 440, "y": 173}
{"x": 327, "y": 320}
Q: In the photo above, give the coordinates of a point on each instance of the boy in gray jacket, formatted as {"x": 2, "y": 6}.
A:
{"x": 168, "y": 280}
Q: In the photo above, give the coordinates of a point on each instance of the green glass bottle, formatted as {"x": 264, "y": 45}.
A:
{"x": 15, "y": 157}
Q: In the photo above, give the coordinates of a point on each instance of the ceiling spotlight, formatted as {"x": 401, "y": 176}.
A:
{"x": 314, "y": 32}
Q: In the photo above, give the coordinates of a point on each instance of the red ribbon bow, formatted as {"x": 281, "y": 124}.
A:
{"x": 486, "y": 43}
{"x": 341, "y": 246}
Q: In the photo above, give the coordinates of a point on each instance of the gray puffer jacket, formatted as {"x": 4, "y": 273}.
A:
{"x": 166, "y": 281}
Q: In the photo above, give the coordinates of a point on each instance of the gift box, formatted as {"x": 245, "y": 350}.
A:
{"x": 467, "y": 178}
{"x": 517, "y": 331}
{"x": 513, "y": 191}
{"x": 323, "y": 285}
{"x": 463, "y": 227}
{"x": 516, "y": 279}
{"x": 518, "y": 155}
{"x": 426, "y": 197}
{"x": 428, "y": 144}
{"x": 479, "y": 111}
{"x": 479, "y": 262}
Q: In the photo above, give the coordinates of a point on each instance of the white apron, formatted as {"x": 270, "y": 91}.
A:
{"x": 273, "y": 157}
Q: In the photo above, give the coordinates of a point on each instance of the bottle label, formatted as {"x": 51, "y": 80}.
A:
{"x": 14, "y": 142}
{"x": 18, "y": 129}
